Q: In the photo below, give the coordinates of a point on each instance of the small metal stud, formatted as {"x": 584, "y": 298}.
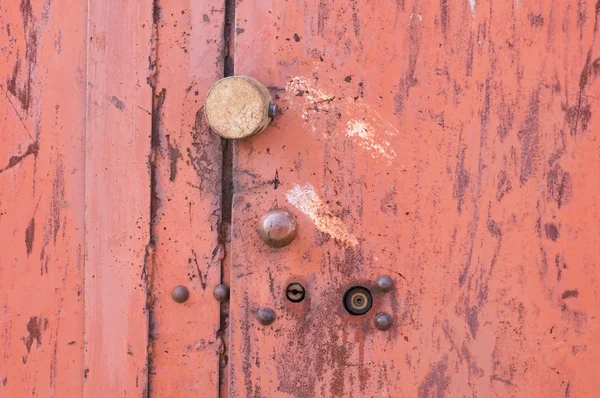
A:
{"x": 384, "y": 284}
{"x": 265, "y": 316}
{"x": 180, "y": 294}
{"x": 272, "y": 111}
{"x": 221, "y": 293}
{"x": 383, "y": 321}
{"x": 278, "y": 228}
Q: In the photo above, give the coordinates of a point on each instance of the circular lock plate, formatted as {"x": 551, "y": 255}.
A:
{"x": 358, "y": 300}
{"x": 237, "y": 107}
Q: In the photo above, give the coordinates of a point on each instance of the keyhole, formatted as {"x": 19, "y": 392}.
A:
{"x": 295, "y": 292}
{"x": 358, "y": 300}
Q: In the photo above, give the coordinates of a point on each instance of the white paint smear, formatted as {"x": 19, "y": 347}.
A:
{"x": 472, "y": 4}
{"x": 367, "y": 140}
{"x": 361, "y": 122}
{"x": 305, "y": 198}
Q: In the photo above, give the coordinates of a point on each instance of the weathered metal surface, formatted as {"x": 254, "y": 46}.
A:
{"x": 185, "y": 339}
{"x": 117, "y": 198}
{"x": 452, "y": 145}
{"x": 42, "y": 138}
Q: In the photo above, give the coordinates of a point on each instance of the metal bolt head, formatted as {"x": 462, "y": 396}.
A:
{"x": 265, "y": 316}
{"x": 221, "y": 293}
{"x": 272, "y": 111}
{"x": 383, "y": 321}
{"x": 384, "y": 284}
{"x": 180, "y": 294}
{"x": 278, "y": 228}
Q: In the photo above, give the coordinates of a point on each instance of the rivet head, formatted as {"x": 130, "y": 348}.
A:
{"x": 221, "y": 293}
{"x": 383, "y": 321}
{"x": 265, "y": 316}
{"x": 384, "y": 284}
{"x": 180, "y": 294}
{"x": 278, "y": 228}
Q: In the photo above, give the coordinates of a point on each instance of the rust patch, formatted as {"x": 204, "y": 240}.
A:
{"x": 174, "y": 155}
{"x": 30, "y": 235}
{"x": 120, "y": 105}
{"x": 529, "y": 137}
{"x": 32, "y": 149}
{"x": 570, "y": 293}
{"x": 436, "y": 381}
{"x": 35, "y": 327}
{"x": 551, "y": 231}
{"x": 559, "y": 186}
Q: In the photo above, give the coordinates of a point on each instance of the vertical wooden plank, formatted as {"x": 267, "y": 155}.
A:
{"x": 42, "y": 127}
{"x": 452, "y": 145}
{"x": 117, "y": 198}
{"x": 185, "y": 339}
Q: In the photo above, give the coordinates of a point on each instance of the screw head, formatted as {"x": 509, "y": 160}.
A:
{"x": 180, "y": 294}
{"x": 221, "y": 293}
{"x": 278, "y": 228}
{"x": 265, "y": 316}
{"x": 384, "y": 284}
{"x": 383, "y": 321}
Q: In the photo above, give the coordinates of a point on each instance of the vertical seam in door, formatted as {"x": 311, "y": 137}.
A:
{"x": 157, "y": 103}
{"x": 227, "y": 189}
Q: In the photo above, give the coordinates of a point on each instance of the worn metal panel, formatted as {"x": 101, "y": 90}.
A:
{"x": 185, "y": 342}
{"x": 452, "y": 145}
{"x": 117, "y": 197}
{"x": 42, "y": 130}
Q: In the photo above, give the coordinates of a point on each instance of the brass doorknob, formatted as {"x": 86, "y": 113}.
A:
{"x": 238, "y": 107}
{"x": 278, "y": 228}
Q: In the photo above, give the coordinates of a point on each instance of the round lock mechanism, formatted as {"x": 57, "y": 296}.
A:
{"x": 358, "y": 300}
{"x": 238, "y": 107}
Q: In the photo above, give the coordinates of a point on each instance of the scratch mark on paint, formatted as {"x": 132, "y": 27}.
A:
{"x": 472, "y": 4}
{"x": 305, "y": 198}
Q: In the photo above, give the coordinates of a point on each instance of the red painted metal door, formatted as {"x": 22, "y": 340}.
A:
{"x": 451, "y": 146}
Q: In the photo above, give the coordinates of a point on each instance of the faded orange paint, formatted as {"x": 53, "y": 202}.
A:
{"x": 451, "y": 145}
{"x": 117, "y": 198}
{"x": 42, "y": 171}
{"x": 185, "y": 342}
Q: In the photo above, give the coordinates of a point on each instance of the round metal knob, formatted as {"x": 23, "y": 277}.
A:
{"x": 238, "y": 107}
{"x": 221, "y": 293}
{"x": 383, "y": 321}
{"x": 278, "y": 228}
{"x": 265, "y": 316}
{"x": 180, "y": 294}
{"x": 384, "y": 284}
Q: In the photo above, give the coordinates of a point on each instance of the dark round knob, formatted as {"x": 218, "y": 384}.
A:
{"x": 384, "y": 284}
{"x": 383, "y": 321}
{"x": 221, "y": 292}
{"x": 278, "y": 228}
{"x": 265, "y": 316}
{"x": 180, "y": 294}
